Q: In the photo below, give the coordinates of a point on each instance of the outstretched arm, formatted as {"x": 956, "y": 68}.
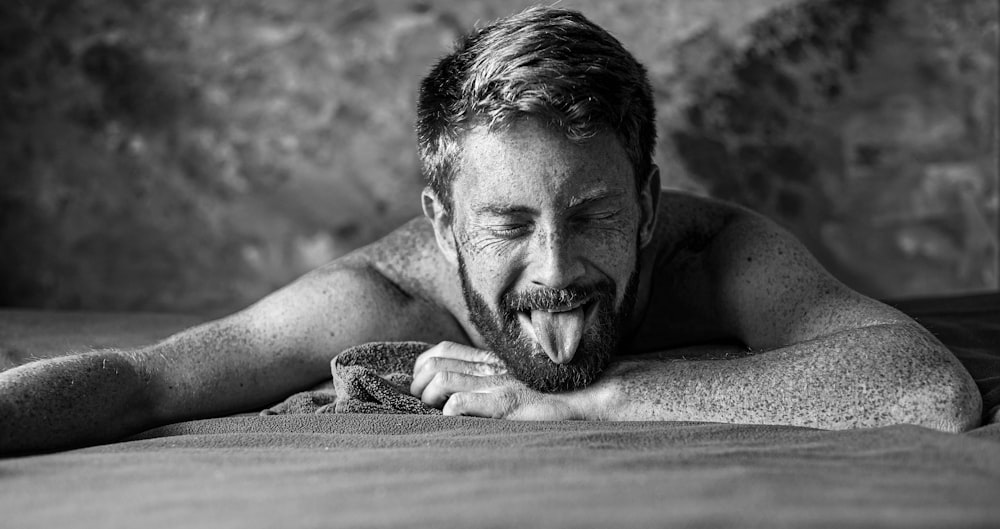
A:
{"x": 837, "y": 382}
{"x": 823, "y": 355}
{"x": 873, "y": 376}
{"x": 244, "y": 362}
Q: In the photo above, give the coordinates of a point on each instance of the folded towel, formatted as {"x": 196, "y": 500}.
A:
{"x": 369, "y": 378}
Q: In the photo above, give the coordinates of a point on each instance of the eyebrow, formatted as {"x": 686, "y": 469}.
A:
{"x": 574, "y": 203}
{"x": 502, "y": 209}
{"x": 594, "y": 196}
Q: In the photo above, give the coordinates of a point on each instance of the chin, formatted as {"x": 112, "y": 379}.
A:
{"x": 541, "y": 374}
{"x": 526, "y": 360}
{"x": 504, "y": 333}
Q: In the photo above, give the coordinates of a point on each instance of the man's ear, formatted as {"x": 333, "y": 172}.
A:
{"x": 649, "y": 201}
{"x": 441, "y": 219}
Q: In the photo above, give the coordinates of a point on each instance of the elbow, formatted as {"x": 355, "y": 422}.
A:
{"x": 955, "y": 408}
{"x": 942, "y": 396}
{"x": 904, "y": 375}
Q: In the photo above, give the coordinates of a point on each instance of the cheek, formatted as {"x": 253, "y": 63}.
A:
{"x": 488, "y": 267}
{"x": 614, "y": 250}
{"x": 617, "y": 262}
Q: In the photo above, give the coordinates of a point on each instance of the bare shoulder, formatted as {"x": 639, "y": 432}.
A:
{"x": 410, "y": 259}
{"x": 673, "y": 307}
{"x": 401, "y": 281}
{"x": 685, "y": 218}
{"x": 719, "y": 272}
{"x": 687, "y": 231}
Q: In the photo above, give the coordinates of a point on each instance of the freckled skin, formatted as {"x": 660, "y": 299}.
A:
{"x": 574, "y": 220}
{"x": 734, "y": 321}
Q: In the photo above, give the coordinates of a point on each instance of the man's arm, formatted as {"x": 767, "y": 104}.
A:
{"x": 818, "y": 354}
{"x": 825, "y": 355}
{"x": 836, "y": 382}
{"x": 854, "y": 379}
{"x": 244, "y": 362}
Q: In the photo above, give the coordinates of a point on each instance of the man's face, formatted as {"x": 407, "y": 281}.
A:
{"x": 546, "y": 236}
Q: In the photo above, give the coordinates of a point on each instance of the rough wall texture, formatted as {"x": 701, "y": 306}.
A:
{"x": 867, "y": 128}
{"x": 192, "y": 156}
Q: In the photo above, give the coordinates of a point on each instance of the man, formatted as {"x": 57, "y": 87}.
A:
{"x": 557, "y": 279}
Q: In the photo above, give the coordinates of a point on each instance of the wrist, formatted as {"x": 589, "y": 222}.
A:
{"x": 596, "y": 402}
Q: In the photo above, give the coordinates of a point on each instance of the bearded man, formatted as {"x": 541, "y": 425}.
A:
{"x": 556, "y": 277}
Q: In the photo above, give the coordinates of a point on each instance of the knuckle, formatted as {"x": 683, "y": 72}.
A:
{"x": 495, "y": 361}
{"x": 434, "y": 350}
{"x": 431, "y": 363}
{"x": 433, "y": 394}
{"x": 440, "y": 381}
{"x": 456, "y": 405}
{"x": 438, "y": 364}
{"x": 458, "y": 400}
{"x": 489, "y": 370}
{"x": 421, "y": 361}
{"x": 421, "y": 381}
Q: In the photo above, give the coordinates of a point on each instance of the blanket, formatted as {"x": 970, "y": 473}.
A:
{"x": 381, "y": 470}
{"x": 369, "y": 378}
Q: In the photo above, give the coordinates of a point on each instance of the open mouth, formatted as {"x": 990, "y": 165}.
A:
{"x": 558, "y": 331}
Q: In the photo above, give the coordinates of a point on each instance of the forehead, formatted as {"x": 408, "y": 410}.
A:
{"x": 528, "y": 164}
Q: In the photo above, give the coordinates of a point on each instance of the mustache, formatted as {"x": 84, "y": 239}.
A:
{"x": 556, "y": 299}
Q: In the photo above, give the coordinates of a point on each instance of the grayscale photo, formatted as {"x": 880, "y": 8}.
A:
{"x": 499, "y": 263}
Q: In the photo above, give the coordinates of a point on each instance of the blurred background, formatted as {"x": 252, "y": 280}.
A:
{"x": 192, "y": 156}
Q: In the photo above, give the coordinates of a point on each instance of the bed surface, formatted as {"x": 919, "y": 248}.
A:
{"x": 397, "y": 471}
{"x": 344, "y": 470}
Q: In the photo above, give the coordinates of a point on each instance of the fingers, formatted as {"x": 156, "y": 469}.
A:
{"x": 445, "y": 384}
{"x": 453, "y": 357}
{"x": 491, "y": 405}
{"x": 423, "y": 375}
{"x": 511, "y": 402}
{"x": 456, "y": 351}
{"x": 463, "y": 380}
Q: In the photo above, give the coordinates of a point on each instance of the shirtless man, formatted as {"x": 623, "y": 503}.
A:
{"x": 557, "y": 279}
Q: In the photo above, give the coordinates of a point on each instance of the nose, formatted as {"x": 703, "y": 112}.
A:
{"x": 555, "y": 263}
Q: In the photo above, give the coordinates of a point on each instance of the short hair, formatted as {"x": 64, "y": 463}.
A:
{"x": 544, "y": 63}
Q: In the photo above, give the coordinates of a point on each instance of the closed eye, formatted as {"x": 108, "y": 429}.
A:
{"x": 509, "y": 231}
{"x": 598, "y": 215}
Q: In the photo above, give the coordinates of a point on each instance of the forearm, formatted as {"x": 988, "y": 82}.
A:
{"x": 71, "y": 401}
{"x": 866, "y": 377}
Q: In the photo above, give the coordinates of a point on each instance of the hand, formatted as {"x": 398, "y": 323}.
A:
{"x": 463, "y": 380}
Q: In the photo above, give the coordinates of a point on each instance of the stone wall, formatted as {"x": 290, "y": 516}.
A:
{"x": 183, "y": 155}
{"x": 869, "y": 129}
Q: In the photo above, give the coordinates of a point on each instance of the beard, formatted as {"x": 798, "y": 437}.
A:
{"x": 525, "y": 359}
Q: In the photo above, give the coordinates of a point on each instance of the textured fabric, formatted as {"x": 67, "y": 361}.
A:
{"x": 369, "y": 378}
{"x": 352, "y": 470}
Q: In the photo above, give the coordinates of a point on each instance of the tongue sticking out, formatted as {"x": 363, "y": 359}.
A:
{"x": 558, "y": 333}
